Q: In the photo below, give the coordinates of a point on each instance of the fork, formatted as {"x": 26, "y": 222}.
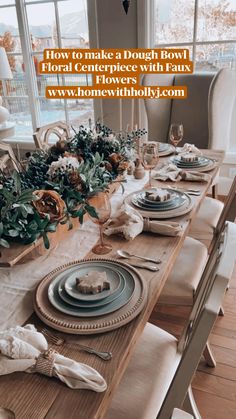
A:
{"x": 58, "y": 341}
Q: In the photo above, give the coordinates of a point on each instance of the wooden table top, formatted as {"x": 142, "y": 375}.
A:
{"x": 36, "y": 396}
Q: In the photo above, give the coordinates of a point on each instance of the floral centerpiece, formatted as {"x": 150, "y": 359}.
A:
{"x": 57, "y": 183}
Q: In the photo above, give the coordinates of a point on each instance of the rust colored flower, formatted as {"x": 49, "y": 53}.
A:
{"x": 49, "y": 202}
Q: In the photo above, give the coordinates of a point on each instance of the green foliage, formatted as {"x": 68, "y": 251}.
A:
{"x": 19, "y": 218}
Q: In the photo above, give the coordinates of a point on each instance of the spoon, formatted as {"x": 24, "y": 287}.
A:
{"x": 143, "y": 266}
{"x": 126, "y": 255}
{"x": 6, "y": 413}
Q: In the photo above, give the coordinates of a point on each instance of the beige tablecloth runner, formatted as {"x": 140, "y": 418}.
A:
{"x": 17, "y": 284}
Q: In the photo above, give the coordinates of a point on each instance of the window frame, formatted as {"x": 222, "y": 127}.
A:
{"x": 20, "y": 7}
{"x": 146, "y": 36}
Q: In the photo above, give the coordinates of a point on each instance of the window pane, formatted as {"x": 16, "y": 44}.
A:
{"x": 6, "y": 2}
{"x": 216, "y": 20}
{"x": 9, "y": 33}
{"x": 20, "y": 114}
{"x": 173, "y": 21}
{"x": 80, "y": 111}
{"x": 16, "y": 86}
{"x": 214, "y": 56}
{"x": 42, "y": 26}
{"x": 73, "y": 24}
{"x": 51, "y": 110}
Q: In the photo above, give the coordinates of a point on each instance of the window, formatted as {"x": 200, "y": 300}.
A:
{"x": 26, "y": 28}
{"x": 206, "y": 27}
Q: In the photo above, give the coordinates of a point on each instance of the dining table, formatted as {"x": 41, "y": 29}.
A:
{"x": 34, "y": 396}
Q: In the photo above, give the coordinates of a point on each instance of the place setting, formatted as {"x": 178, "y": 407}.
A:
{"x": 90, "y": 296}
{"x": 160, "y": 203}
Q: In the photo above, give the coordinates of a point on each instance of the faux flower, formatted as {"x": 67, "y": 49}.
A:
{"x": 62, "y": 165}
{"x": 49, "y": 202}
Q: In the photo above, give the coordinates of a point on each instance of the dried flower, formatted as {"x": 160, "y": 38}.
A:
{"x": 62, "y": 165}
{"x": 49, "y": 202}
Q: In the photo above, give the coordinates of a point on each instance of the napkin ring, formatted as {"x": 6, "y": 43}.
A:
{"x": 45, "y": 362}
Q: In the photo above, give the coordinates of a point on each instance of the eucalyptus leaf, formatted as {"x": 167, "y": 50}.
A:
{"x": 4, "y": 243}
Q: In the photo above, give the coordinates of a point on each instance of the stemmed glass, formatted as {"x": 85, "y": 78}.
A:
{"x": 150, "y": 158}
{"x": 176, "y": 134}
{"x": 102, "y": 205}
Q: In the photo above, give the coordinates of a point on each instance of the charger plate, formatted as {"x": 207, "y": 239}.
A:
{"x": 162, "y": 214}
{"x": 99, "y": 324}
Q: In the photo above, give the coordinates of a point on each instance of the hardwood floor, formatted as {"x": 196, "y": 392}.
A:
{"x": 214, "y": 388}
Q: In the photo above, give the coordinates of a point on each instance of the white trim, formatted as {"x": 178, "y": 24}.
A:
{"x": 94, "y": 43}
{"x": 145, "y": 24}
{"x": 30, "y": 78}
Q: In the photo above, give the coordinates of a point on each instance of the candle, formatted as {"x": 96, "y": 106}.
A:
{"x": 132, "y": 114}
{"x": 121, "y": 114}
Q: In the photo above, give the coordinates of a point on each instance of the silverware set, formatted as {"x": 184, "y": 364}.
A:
{"x": 58, "y": 341}
{"x": 127, "y": 255}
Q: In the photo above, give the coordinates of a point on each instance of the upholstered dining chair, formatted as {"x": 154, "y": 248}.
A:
{"x": 206, "y": 114}
{"x": 58, "y": 129}
{"x": 210, "y": 217}
{"x": 183, "y": 283}
{"x": 158, "y": 377}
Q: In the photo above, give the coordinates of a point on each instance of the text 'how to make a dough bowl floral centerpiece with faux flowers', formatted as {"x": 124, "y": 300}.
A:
{"x": 56, "y": 184}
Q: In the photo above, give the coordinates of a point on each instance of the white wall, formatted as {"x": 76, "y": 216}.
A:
{"x": 115, "y": 29}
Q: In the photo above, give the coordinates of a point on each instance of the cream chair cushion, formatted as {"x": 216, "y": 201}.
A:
{"x": 184, "y": 278}
{"x": 147, "y": 378}
{"x": 180, "y": 414}
{"x": 203, "y": 225}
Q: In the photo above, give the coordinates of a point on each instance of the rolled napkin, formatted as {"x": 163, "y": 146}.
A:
{"x": 164, "y": 228}
{"x": 129, "y": 223}
{"x": 25, "y": 349}
{"x": 190, "y": 148}
{"x": 175, "y": 174}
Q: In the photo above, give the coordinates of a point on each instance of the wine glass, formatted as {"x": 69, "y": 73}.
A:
{"x": 102, "y": 205}
{"x": 176, "y": 134}
{"x": 150, "y": 158}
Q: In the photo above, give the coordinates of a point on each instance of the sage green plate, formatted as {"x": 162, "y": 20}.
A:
{"x": 119, "y": 302}
{"x": 89, "y": 304}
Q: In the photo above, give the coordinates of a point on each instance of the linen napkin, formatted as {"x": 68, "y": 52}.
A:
{"x": 25, "y": 349}
{"x": 129, "y": 223}
{"x": 164, "y": 228}
{"x": 190, "y": 148}
{"x": 173, "y": 173}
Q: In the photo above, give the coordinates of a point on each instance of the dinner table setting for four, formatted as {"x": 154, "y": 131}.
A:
{"x": 84, "y": 305}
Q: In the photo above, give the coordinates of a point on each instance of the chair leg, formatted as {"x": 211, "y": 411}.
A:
{"x": 221, "y": 311}
{"x": 208, "y": 355}
{"x": 214, "y": 191}
{"x": 190, "y": 406}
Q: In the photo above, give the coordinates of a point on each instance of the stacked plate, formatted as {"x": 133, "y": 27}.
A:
{"x": 176, "y": 199}
{"x": 178, "y": 203}
{"x": 60, "y": 304}
{"x": 201, "y": 164}
{"x": 165, "y": 149}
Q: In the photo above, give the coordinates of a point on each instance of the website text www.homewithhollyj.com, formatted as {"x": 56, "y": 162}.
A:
{"x": 116, "y": 73}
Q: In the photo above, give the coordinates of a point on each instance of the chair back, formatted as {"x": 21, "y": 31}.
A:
{"x": 206, "y": 113}
{"x": 58, "y": 129}
{"x": 222, "y": 99}
{"x": 228, "y": 213}
{"x": 201, "y": 321}
{"x": 193, "y": 111}
{"x": 8, "y": 160}
{"x": 158, "y": 111}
